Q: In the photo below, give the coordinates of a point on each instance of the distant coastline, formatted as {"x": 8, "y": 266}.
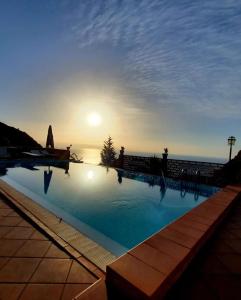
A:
{"x": 183, "y": 157}
{"x": 92, "y": 155}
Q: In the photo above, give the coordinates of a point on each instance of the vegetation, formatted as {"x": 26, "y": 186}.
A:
{"x": 13, "y": 137}
{"x": 108, "y": 152}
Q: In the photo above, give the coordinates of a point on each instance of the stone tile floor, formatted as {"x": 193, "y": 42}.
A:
{"x": 32, "y": 266}
{"x": 216, "y": 272}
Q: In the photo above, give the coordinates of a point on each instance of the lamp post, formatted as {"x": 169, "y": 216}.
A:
{"x": 231, "y": 142}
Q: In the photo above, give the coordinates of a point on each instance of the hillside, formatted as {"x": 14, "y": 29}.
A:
{"x": 13, "y": 137}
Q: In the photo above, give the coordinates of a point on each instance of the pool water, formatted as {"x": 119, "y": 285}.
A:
{"x": 117, "y": 209}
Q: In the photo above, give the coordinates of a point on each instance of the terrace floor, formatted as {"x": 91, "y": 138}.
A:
{"x": 32, "y": 266}
{"x": 216, "y": 272}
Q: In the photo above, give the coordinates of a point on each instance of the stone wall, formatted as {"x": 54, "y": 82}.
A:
{"x": 174, "y": 166}
{"x": 207, "y": 169}
{"x": 136, "y": 163}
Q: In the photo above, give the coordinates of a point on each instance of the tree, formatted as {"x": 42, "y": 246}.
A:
{"x": 108, "y": 152}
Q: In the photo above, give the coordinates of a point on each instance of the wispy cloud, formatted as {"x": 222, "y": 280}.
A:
{"x": 175, "y": 52}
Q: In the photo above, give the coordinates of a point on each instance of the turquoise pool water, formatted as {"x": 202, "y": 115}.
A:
{"x": 114, "y": 208}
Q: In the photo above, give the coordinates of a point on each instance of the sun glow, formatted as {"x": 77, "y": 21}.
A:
{"x": 94, "y": 119}
{"x": 90, "y": 174}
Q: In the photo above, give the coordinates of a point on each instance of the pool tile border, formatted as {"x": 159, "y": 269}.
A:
{"x": 152, "y": 267}
{"x": 87, "y": 252}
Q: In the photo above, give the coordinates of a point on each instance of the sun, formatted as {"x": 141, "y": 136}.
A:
{"x": 94, "y": 119}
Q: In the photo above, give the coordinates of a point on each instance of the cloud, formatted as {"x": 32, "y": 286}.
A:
{"x": 175, "y": 52}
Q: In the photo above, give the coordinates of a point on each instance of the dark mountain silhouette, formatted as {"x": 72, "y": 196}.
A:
{"x": 13, "y": 137}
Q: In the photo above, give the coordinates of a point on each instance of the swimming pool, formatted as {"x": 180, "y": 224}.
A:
{"x": 115, "y": 208}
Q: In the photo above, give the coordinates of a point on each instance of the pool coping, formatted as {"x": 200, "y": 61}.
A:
{"x": 90, "y": 254}
{"x": 152, "y": 267}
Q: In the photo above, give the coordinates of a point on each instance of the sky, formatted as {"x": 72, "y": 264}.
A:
{"x": 156, "y": 73}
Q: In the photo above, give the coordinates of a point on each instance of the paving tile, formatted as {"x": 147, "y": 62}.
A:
{"x": 154, "y": 258}
{"x": 218, "y": 199}
{"x": 99, "y": 273}
{"x": 9, "y": 247}
{"x": 72, "y": 251}
{"x": 226, "y": 287}
{"x": 13, "y": 213}
{"x": 208, "y": 211}
{"x": 72, "y": 290}
{"x": 33, "y": 248}
{"x": 179, "y": 238}
{"x": 79, "y": 274}
{"x": 5, "y": 211}
{"x": 60, "y": 241}
{"x": 86, "y": 263}
{"x": 97, "y": 291}
{"x": 199, "y": 219}
{"x": 224, "y": 202}
{"x": 235, "y": 218}
{"x": 19, "y": 233}
{"x": 232, "y": 187}
{"x": 4, "y": 230}
{"x": 3, "y": 261}
{"x": 193, "y": 224}
{"x": 42, "y": 292}
{"x": 56, "y": 252}
{"x": 212, "y": 265}
{"x": 10, "y": 221}
{"x": 168, "y": 247}
{"x": 24, "y": 223}
{"x": 236, "y": 232}
{"x": 234, "y": 244}
{"x": 238, "y": 209}
{"x": 233, "y": 225}
{"x": 198, "y": 291}
{"x": 10, "y": 291}
{"x": 18, "y": 269}
{"x": 212, "y": 205}
{"x": 3, "y": 205}
{"x": 38, "y": 236}
{"x": 225, "y": 235}
{"x": 220, "y": 246}
{"x": 52, "y": 270}
{"x": 232, "y": 262}
{"x": 182, "y": 228}
{"x": 133, "y": 274}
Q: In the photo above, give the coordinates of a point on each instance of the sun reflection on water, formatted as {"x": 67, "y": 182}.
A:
{"x": 90, "y": 175}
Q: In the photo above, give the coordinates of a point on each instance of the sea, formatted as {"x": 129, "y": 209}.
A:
{"x": 92, "y": 156}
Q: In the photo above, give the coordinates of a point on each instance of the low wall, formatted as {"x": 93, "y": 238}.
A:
{"x": 136, "y": 163}
{"x": 174, "y": 166}
{"x": 207, "y": 169}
